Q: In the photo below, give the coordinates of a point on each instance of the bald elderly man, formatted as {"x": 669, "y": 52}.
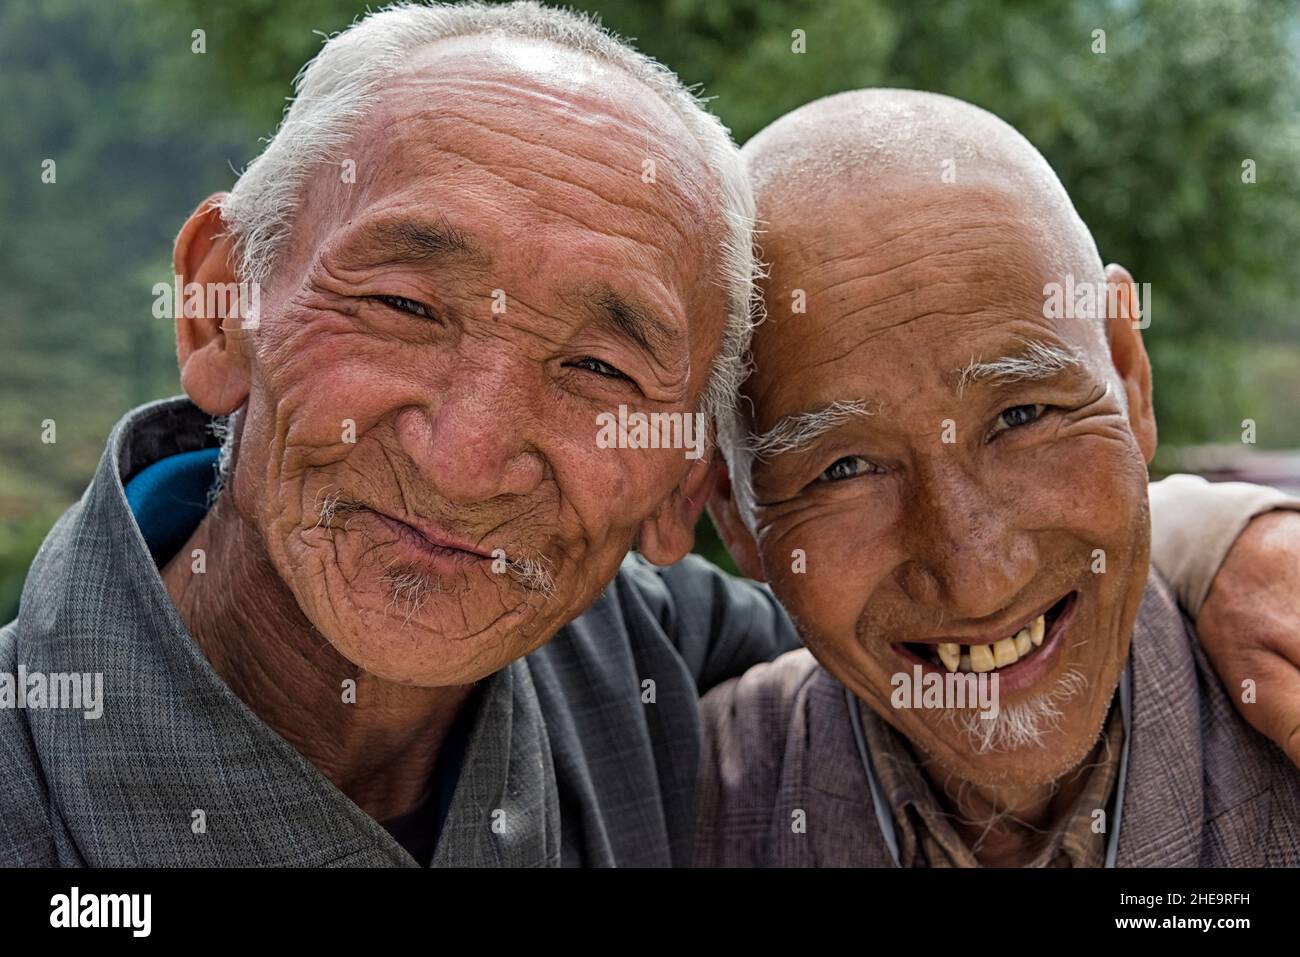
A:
{"x": 942, "y": 473}
{"x": 400, "y": 629}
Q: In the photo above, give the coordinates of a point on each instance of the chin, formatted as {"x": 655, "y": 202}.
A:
{"x": 422, "y": 657}
{"x": 1031, "y": 742}
{"x": 1030, "y": 765}
{"x": 411, "y": 633}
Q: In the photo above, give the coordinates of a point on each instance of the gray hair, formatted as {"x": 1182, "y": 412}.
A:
{"x": 1035, "y": 361}
{"x": 337, "y": 87}
{"x": 795, "y": 432}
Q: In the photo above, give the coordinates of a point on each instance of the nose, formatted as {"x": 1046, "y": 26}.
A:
{"x": 967, "y": 555}
{"x": 470, "y": 441}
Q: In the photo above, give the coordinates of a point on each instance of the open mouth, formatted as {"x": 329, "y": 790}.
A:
{"x": 1030, "y": 641}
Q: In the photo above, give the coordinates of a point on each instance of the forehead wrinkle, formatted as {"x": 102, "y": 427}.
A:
{"x": 674, "y": 216}
{"x": 853, "y": 346}
{"x": 677, "y": 217}
{"x": 940, "y": 250}
{"x": 908, "y": 221}
{"x": 551, "y": 172}
{"x": 912, "y": 292}
{"x": 660, "y": 235}
{"x": 659, "y": 231}
{"x": 596, "y": 114}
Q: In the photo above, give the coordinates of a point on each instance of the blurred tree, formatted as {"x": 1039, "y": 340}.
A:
{"x": 81, "y": 247}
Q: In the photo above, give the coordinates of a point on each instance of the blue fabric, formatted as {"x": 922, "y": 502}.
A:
{"x": 170, "y": 497}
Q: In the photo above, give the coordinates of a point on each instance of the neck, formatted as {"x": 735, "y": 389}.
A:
{"x": 377, "y": 742}
{"x": 1005, "y": 826}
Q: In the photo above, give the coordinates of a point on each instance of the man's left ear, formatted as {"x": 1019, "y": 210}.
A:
{"x": 668, "y": 535}
{"x": 1129, "y": 355}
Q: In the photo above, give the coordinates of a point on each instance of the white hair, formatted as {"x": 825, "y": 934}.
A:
{"x": 342, "y": 82}
{"x": 1023, "y": 725}
{"x": 795, "y": 432}
{"x": 1036, "y": 361}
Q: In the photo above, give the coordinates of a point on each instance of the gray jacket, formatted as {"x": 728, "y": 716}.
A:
{"x": 1203, "y": 788}
{"x": 584, "y": 771}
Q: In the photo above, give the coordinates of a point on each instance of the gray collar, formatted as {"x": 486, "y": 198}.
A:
{"x": 174, "y": 740}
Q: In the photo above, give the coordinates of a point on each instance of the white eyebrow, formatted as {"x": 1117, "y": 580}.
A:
{"x": 797, "y": 431}
{"x": 1035, "y": 361}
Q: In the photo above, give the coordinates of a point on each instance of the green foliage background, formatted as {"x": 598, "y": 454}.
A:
{"x": 1149, "y": 138}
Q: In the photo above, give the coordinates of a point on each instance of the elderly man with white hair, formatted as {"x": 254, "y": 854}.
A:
{"x": 477, "y": 229}
{"x": 402, "y": 628}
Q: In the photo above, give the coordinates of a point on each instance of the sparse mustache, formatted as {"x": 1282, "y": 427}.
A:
{"x": 529, "y": 568}
{"x": 328, "y": 505}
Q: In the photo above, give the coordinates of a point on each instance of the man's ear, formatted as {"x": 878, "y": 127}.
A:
{"x": 668, "y": 535}
{"x": 209, "y": 349}
{"x": 1129, "y": 355}
{"x": 733, "y": 531}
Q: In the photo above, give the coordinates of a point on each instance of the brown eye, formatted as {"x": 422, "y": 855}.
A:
{"x": 1017, "y": 416}
{"x": 402, "y": 304}
{"x": 600, "y": 368}
{"x": 850, "y": 466}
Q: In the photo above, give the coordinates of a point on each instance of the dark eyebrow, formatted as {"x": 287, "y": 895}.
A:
{"x": 420, "y": 241}
{"x": 637, "y": 323}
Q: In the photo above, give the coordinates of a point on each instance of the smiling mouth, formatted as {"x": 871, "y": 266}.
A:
{"x": 1030, "y": 641}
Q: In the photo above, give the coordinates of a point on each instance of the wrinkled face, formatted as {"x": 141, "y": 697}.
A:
{"x": 420, "y": 450}
{"x": 940, "y": 499}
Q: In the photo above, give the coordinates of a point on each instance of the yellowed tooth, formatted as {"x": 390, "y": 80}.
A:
{"x": 1023, "y": 641}
{"x": 1004, "y": 652}
{"x": 964, "y": 664}
{"x": 950, "y": 655}
{"x": 1036, "y": 629}
{"x": 981, "y": 658}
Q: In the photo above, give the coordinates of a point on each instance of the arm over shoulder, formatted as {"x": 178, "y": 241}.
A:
{"x": 721, "y": 625}
{"x": 745, "y": 724}
{"x": 1194, "y": 524}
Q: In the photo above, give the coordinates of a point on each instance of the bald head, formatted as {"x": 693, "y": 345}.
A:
{"x": 880, "y": 151}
